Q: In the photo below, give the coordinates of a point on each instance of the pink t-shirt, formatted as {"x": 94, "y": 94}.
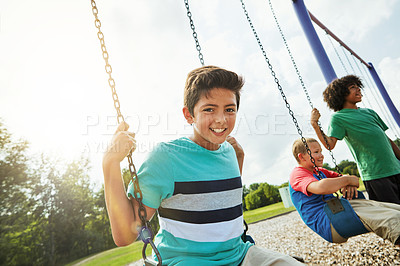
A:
{"x": 300, "y": 178}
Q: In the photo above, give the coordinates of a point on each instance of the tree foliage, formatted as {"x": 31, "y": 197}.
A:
{"x": 50, "y": 213}
{"x": 346, "y": 167}
{"x": 261, "y": 194}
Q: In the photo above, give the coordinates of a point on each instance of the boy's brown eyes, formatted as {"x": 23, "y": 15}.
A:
{"x": 230, "y": 110}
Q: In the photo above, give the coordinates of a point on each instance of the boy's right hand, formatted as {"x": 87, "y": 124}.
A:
{"x": 315, "y": 115}
{"x": 121, "y": 144}
{"x": 350, "y": 190}
{"x": 353, "y": 180}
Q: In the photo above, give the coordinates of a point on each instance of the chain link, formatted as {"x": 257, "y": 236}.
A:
{"x": 133, "y": 174}
{"x": 196, "y": 40}
{"x": 337, "y": 53}
{"x": 302, "y": 83}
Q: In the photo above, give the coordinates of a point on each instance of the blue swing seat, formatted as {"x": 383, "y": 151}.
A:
{"x": 343, "y": 218}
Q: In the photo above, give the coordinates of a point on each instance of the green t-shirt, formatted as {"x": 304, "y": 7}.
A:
{"x": 364, "y": 133}
{"x": 198, "y": 194}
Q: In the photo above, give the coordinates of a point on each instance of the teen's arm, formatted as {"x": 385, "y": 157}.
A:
{"x": 239, "y": 151}
{"x": 124, "y": 222}
{"x": 331, "y": 185}
{"x": 315, "y": 115}
{"x": 395, "y": 148}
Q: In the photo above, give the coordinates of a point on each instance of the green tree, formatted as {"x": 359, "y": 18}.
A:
{"x": 65, "y": 212}
{"x": 253, "y": 200}
{"x": 346, "y": 167}
{"x": 99, "y": 227}
{"x": 15, "y": 187}
{"x": 264, "y": 195}
{"x": 271, "y": 193}
{"x": 49, "y": 213}
{"x": 286, "y": 184}
{"x": 254, "y": 186}
{"x": 245, "y": 192}
{"x": 328, "y": 167}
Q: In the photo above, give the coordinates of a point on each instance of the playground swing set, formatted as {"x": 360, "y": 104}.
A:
{"x": 339, "y": 210}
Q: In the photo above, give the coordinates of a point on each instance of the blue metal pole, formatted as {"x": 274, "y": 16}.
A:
{"x": 384, "y": 94}
{"x": 315, "y": 43}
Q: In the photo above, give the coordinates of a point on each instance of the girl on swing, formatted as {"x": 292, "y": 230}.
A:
{"x": 377, "y": 156}
{"x": 309, "y": 194}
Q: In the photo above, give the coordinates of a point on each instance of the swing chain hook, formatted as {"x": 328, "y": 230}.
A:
{"x": 148, "y": 236}
{"x": 196, "y": 40}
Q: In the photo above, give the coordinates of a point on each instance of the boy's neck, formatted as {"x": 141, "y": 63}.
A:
{"x": 349, "y": 105}
{"x": 206, "y": 145}
{"x": 307, "y": 167}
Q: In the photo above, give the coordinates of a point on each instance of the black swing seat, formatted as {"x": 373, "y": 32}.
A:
{"x": 247, "y": 238}
{"x": 343, "y": 218}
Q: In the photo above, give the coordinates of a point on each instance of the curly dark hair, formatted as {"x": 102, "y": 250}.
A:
{"x": 336, "y": 92}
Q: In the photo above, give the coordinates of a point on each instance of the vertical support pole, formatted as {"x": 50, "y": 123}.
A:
{"x": 384, "y": 94}
{"x": 315, "y": 43}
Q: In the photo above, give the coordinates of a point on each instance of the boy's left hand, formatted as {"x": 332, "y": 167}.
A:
{"x": 349, "y": 192}
{"x": 239, "y": 151}
{"x": 238, "y": 148}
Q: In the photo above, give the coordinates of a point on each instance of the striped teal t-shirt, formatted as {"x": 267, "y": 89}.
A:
{"x": 198, "y": 194}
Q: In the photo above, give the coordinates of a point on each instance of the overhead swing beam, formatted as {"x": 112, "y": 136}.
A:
{"x": 330, "y": 33}
{"x": 324, "y": 63}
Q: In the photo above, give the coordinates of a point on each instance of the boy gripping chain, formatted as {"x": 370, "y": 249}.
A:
{"x": 376, "y": 155}
{"x": 307, "y": 193}
{"x": 195, "y": 183}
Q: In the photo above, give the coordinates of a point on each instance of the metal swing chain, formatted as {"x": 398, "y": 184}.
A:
{"x": 302, "y": 83}
{"x": 337, "y": 53}
{"x": 291, "y": 113}
{"x": 145, "y": 233}
{"x": 198, "y": 48}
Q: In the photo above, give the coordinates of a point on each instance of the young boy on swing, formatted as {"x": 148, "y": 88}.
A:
{"x": 194, "y": 183}
{"x": 309, "y": 193}
{"x": 377, "y": 156}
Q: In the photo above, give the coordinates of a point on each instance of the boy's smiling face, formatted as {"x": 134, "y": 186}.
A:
{"x": 316, "y": 152}
{"x": 214, "y": 118}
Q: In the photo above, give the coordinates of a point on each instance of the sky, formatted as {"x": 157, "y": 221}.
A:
{"x": 54, "y": 91}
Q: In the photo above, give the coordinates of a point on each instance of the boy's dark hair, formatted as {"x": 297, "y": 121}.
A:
{"x": 336, "y": 92}
{"x": 202, "y": 80}
{"x": 298, "y": 147}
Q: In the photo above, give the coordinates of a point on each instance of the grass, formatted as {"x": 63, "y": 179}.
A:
{"x": 265, "y": 212}
{"x": 123, "y": 255}
{"x": 115, "y": 257}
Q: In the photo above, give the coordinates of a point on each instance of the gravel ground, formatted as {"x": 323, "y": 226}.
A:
{"x": 289, "y": 235}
